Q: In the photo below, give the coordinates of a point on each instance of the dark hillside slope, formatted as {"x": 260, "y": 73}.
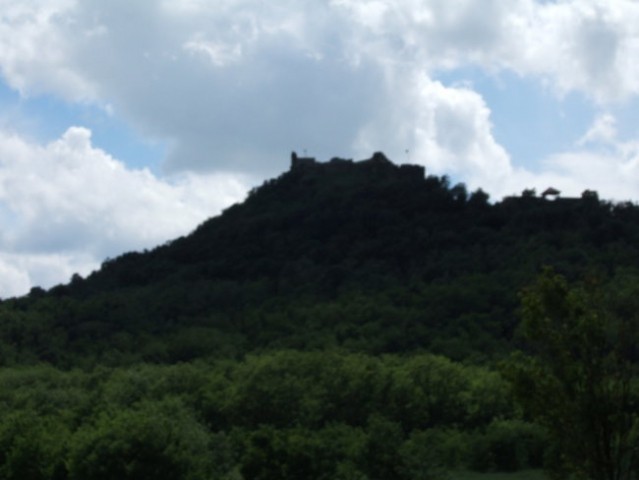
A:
{"x": 368, "y": 256}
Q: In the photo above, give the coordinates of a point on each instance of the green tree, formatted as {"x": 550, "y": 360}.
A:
{"x": 424, "y": 455}
{"x": 334, "y": 453}
{"x": 578, "y": 378}
{"x": 152, "y": 441}
{"x": 32, "y": 447}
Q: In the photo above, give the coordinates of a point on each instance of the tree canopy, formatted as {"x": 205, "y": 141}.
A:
{"x": 579, "y": 377}
{"x": 345, "y": 322}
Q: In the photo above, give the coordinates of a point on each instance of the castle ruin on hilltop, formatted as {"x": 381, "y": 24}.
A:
{"x": 377, "y": 165}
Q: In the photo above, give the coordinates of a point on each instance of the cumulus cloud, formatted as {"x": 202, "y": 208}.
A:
{"x": 603, "y": 130}
{"x": 21, "y": 271}
{"x": 573, "y": 45}
{"x": 67, "y": 205}
{"x": 599, "y": 161}
{"x": 446, "y": 128}
{"x": 582, "y": 46}
{"x": 233, "y": 85}
{"x": 237, "y": 84}
{"x": 456, "y": 133}
{"x": 34, "y": 50}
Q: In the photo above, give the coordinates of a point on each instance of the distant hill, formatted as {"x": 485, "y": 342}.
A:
{"x": 364, "y": 256}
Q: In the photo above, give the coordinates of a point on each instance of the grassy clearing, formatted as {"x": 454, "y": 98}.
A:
{"x": 522, "y": 475}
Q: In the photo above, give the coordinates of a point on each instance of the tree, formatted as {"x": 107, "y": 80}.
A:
{"x": 32, "y": 446}
{"x": 578, "y": 377}
{"x": 151, "y": 441}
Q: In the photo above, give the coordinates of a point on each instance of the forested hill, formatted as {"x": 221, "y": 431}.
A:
{"x": 365, "y": 256}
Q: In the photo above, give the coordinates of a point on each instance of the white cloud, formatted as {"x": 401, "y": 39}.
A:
{"x": 573, "y": 45}
{"x": 604, "y": 130}
{"x": 612, "y": 176}
{"x": 68, "y": 205}
{"x": 447, "y": 128}
{"x": 14, "y": 279}
{"x": 237, "y": 84}
{"x": 35, "y": 52}
{"x": 219, "y": 53}
{"x": 21, "y": 271}
{"x": 583, "y": 46}
{"x": 456, "y": 133}
{"x": 611, "y": 168}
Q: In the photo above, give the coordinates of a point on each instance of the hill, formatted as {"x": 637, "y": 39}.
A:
{"x": 367, "y": 256}
{"x": 344, "y": 322}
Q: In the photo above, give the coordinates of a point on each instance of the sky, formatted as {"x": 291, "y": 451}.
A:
{"x": 125, "y": 124}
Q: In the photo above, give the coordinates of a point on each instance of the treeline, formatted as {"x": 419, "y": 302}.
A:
{"x": 341, "y": 323}
{"x": 362, "y": 259}
{"x": 468, "y": 318}
{"x": 285, "y": 415}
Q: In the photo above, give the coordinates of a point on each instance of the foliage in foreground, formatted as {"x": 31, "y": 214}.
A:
{"x": 579, "y": 379}
{"x": 284, "y": 415}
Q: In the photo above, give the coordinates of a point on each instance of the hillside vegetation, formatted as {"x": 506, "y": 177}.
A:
{"x": 348, "y": 320}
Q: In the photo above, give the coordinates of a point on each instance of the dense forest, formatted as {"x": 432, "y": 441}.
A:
{"x": 348, "y": 320}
